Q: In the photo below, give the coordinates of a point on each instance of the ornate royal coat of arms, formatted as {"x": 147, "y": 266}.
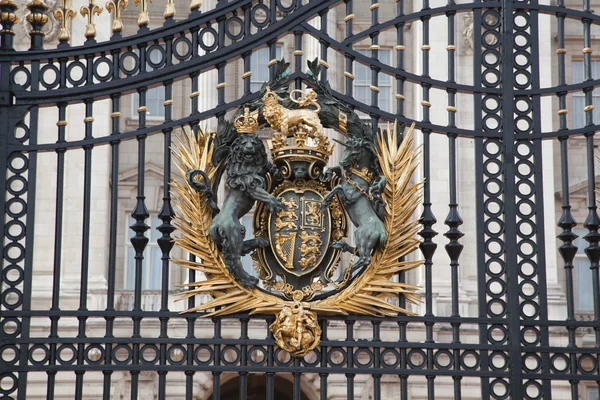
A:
{"x": 303, "y": 211}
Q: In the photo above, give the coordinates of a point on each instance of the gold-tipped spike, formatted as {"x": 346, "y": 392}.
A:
{"x": 115, "y": 7}
{"x": 63, "y": 14}
{"x": 195, "y": 5}
{"x": 143, "y": 16}
{"x": 169, "y": 9}
{"x": 90, "y": 11}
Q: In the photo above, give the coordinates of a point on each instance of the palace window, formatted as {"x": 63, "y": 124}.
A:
{"x": 584, "y": 295}
{"x": 155, "y": 97}
{"x": 592, "y": 394}
{"x": 579, "y": 97}
{"x": 151, "y": 265}
{"x": 258, "y": 66}
{"x": 362, "y": 81}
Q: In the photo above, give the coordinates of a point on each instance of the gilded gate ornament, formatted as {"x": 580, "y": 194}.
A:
{"x": 301, "y": 213}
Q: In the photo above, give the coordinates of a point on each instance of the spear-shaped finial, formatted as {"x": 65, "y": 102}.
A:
{"x": 89, "y": 12}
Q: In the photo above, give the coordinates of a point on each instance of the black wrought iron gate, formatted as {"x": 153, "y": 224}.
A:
{"x": 510, "y": 341}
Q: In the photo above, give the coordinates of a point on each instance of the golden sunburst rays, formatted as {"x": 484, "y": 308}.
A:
{"x": 366, "y": 295}
{"x": 369, "y": 292}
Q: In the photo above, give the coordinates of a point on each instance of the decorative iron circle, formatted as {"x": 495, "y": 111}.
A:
{"x": 390, "y": 353}
{"x": 416, "y": 358}
{"x": 177, "y": 354}
{"x": 6, "y": 388}
{"x": 443, "y": 360}
{"x": 560, "y": 363}
{"x": 257, "y": 352}
{"x": 255, "y": 19}
{"x": 135, "y": 59}
{"x": 202, "y": 39}
{"x": 182, "y": 41}
{"x": 527, "y": 332}
{"x": 122, "y": 354}
{"x": 9, "y": 354}
{"x": 369, "y": 355}
{"x": 332, "y": 354}
{"x": 35, "y": 360}
{"x": 12, "y": 185}
{"x": 70, "y": 71}
{"x": 231, "y": 350}
{"x": 14, "y": 247}
{"x": 21, "y": 70}
{"x": 200, "y": 355}
{"x": 12, "y": 225}
{"x": 229, "y": 28}
{"x": 43, "y": 80}
{"x": 25, "y": 129}
{"x": 287, "y": 9}
{"x": 317, "y": 358}
{"x": 281, "y": 355}
{"x": 98, "y": 63}
{"x": 469, "y": 360}
{"x": 500, "y": 389}
{"x": 497, "y": 334}
{"x": 532, "y": 362}
{"x": 15, "y": 168}
{"x": 156, "y": 48}
{"x": 66, "y": 354}
{"x": 94, "y": 354}
{"x": 10, "y": 326}
{"x": 585, "y": 360}
{"x": 149, "y": 354}
{"x": 19, "y": 204}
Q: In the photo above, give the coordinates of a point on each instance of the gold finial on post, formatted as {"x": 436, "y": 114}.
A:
{"x": 144, "y": 17}
{"x": 195, "y": 5}
{"x": 37, "y": 18}
{"x": 89, "y": 11}
{"x": 115, "y": 7}
{"x": 169, "y": 9}
{"x": 63, "y": 14}
{"x": 8, "y": 18}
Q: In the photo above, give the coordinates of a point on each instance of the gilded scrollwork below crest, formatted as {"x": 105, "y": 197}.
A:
{"x": 303, "y": 210}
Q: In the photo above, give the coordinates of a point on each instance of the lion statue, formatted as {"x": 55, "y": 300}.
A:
{"x": 281, "y": 119}
{"x": 247, "y": 167}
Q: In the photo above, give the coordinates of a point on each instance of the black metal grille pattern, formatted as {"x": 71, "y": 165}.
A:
{"x": 520, "y": 351}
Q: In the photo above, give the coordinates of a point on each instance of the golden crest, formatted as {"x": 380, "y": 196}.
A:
{"x": 299, "y": 227}
{"x": 296, "y": 330}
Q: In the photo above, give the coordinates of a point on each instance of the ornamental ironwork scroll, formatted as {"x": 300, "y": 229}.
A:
{"x": 303, "y": 210}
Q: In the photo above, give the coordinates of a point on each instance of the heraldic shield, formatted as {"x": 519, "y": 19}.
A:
{"x": 300, "y": 233}
{"x": 302, "y": 210}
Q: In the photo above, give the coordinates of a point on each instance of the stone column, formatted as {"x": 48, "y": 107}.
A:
{"x": 207, "y": 81}
{"x": 555, "y": 293}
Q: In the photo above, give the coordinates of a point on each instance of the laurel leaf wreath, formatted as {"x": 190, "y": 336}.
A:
{"x": 367, "y": 294}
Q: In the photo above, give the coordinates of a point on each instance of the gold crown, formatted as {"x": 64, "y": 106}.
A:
{"x": 247, "y": 123}
{"x": 363, "y": 173}
{"x": 306, "y": 146}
